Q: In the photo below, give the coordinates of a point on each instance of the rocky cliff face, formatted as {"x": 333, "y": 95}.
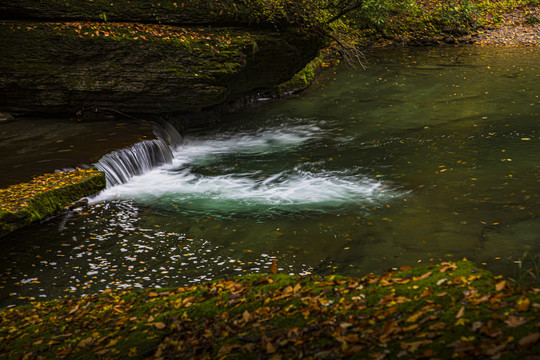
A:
{"x": 76, "y": 64}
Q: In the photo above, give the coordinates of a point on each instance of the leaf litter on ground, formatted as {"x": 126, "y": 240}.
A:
{"x": 410, "y": 314}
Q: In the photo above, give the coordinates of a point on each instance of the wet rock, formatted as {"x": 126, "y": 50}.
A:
{"x": 48, "y": 202}
{"x": 5, "y": 117}
{"x": 93, "y": 69}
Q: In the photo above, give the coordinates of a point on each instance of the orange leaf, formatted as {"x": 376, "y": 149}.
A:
{"x": 523, "y": 304}
{"x": 461, "y": 312}
{"x": 425, "y": 276}
{"x": 160, "y": 325}
{"x": 447, "y": 266}
{"x": 500, "y": 285}
{"x": 273, "y": 267}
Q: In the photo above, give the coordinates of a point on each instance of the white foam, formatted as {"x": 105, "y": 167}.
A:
{"x": 302, "y": 185}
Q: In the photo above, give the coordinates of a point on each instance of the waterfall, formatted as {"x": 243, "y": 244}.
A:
{"x": 121, "y": 165}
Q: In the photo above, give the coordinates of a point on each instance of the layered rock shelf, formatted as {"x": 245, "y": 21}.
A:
{"x": 121, "y": 58}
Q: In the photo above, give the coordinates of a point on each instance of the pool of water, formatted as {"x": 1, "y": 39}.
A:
{"x": 424, "y": 155}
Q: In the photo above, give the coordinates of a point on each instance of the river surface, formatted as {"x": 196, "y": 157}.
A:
{"x": 425, "y": 155}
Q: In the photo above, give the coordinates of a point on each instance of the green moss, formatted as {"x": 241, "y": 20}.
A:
{"x": 46, "y": 195}
{"x": 447, "y": 310}
{"x": 303, "y": 78}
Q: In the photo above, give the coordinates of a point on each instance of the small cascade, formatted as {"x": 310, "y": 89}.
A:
{"x": 121, "y": 165}
{"x": 166, "y": 132}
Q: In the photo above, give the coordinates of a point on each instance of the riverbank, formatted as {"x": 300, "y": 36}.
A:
{"x": 442, "y": 311}
{"x": 520, "y": 27}
{"x": 425, "y": 23}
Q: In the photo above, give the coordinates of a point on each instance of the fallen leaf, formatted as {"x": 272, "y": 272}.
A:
{"x": 500, "y": 285}
{"x": 461, "y": 312}
{"x": 529, "y": 340}
{"x": 414, "y": 317}
{"x": 270, "y": 348}
{"x": 85, "y": 342}
{"x": 523, "y": 304}
{"x": 447, "y": 266}
{"x": 246, "y": 316}
{"x": 160, "y": 325}
{"x": 425, "y": 276}
{"x": 273, "y": 267}
{"x": 514, "y": 321}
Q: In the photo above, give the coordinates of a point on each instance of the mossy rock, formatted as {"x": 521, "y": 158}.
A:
{"x": 140, "y": 69}
{"x": 46, "y": 195}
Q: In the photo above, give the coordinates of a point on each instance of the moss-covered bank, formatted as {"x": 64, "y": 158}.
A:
{"x": 444, "y": 311}
{"x": 45, "y": 195}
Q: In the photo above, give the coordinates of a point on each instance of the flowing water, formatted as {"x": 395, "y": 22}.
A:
{"x": 425, "y": 155}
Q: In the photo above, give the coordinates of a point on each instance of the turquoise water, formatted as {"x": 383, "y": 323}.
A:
{"x": 424, "y": 155}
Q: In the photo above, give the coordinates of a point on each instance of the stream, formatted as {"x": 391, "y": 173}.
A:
{"x": 424, "y": 155}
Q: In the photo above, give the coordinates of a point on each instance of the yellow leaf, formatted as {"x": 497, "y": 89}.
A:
{"x": 414, "y": 317}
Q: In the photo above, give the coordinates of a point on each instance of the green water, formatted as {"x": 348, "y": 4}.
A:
{"x": 424, "y": 155}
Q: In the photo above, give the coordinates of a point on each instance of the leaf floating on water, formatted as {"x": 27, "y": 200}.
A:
{"x": 273, "y": 267}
